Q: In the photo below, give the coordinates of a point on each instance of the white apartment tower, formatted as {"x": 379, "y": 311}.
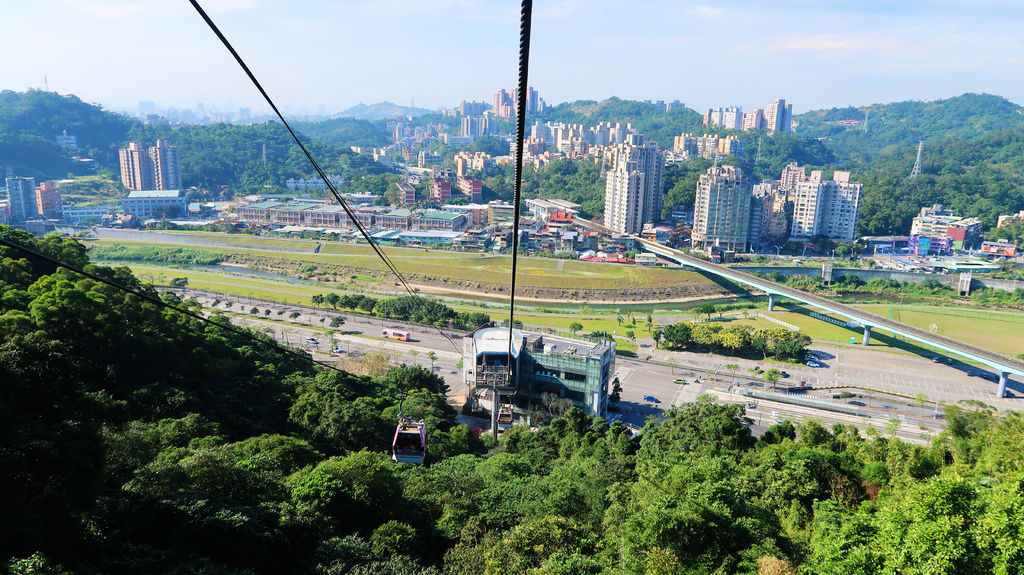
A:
{"x": 825, "y": 207}
{"x": 633, "y": 185}
{"x": 721, "y": 213}
{"x": 778, "y": 117}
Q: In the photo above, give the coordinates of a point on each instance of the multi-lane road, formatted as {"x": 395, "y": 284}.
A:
{"x": 904, "y": 376}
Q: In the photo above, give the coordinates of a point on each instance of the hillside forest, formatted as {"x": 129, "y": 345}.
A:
{"x": 134, "y": 439}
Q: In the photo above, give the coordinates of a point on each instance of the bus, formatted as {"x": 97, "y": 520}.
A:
{"x": 398, "y": 334}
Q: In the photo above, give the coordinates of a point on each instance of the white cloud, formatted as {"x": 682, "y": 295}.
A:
{"x": 705, "y": 11}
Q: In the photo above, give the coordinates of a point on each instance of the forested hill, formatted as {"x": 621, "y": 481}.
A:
{"x": 136, "y": 440}
{"x": 981, "y": 176}
{"x": 30, "y": 122}
{"x": 347, "y": 132}
{"x": 900, "y": 125}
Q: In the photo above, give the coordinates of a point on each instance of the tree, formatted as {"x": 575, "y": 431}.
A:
{"x": 731, "y": 367}
{"x": 266, "y": 312}
{"x": 672, "y": 364}
{"x": 656, "y": 335}
{"x": 254, "y": 310}
{"x": 921, "y": 400}
{"x": 616, "y": 394}
{"x": 772, "y": 376}
{"x": 575, "y": 327}
{"x": 433, "y": 357}
{"x": 318, "y": 300}
{"x": 630, "y": 334}
{"x": 332, "y": 300}
{"x": 294, "y": 314}
{"x": 337, "y": 321}
{"x": 707, "y": 309}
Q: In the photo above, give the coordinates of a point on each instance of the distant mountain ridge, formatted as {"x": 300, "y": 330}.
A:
{"x": 382, "y": 111}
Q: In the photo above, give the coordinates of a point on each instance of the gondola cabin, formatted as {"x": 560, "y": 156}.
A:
{"x": 505, "y": 417}
{"x": 410, "y": 443}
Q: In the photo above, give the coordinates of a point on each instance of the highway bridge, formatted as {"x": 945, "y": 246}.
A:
{"x": 1002, "y": 364}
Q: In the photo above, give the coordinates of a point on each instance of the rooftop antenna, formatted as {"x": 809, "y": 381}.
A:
{"x": 757, "y": 158}
{"x": 865, "y": 121}
{"x": 46, "y": 84}
{"x": 917, "y": 162}
{"x": 264, "y": 155}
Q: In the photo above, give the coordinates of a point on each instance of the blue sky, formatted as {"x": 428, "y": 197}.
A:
{"x": 334, "y": 54}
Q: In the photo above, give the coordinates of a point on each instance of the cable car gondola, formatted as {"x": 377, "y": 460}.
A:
{"x": 410, "y": 442}
{"x": 505, "y": 416}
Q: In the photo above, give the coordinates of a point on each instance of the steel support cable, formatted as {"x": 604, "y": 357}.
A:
{"x": 525, "y": 24}
{"x": 323, "y": 176}
{"x": 162, "y": 303}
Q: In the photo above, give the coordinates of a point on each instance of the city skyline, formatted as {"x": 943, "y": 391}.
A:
{"x": 326, "y": 57}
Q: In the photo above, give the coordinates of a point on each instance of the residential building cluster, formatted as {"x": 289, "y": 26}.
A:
{"x": 776, "y": 117}
{"x": 937, "y": 230}
{"x": 709, "y": 147}
{"x": 730, "y": 215}
{"x": 153, "y": 168}
{"x": 26, "y": 201}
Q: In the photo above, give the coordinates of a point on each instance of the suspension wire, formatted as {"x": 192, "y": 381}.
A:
{"x": 162, "y": 303}
{"x": 525, "y": 24}
{"x": 323, "y": 176}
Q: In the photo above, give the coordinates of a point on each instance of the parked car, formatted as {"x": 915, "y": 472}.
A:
{"x": 651, "y": 399}
{"x": 679, "y": 380}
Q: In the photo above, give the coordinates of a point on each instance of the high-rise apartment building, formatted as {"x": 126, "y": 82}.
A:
{"x": 136, "y": 167}
{"x": 471, "y": 127}
{"x": 156, "y": 168}
{"x": 825, "y": 207}
{"x": 504, "y": 106}
{"x": 22, "y": 195}
{"x": 166, "y": 166}
{"x": 754, "y": 121}
{"x": 778, "y": 117}
{"x": 721, "y": 212}
{"x": 48, "y": 201}
{"x": 633, "y": 185}
{"x": 730, "y": 118}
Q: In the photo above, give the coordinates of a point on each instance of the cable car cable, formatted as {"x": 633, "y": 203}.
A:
{"x": 525, "y": 24}
{"x": 323, "y": 176}
{"x": 160, "y": 302}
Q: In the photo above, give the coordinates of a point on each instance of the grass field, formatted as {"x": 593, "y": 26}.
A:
{"x": 532, "y": 272}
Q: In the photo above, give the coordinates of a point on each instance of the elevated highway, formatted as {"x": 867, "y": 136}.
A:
{"x": 1002, "y": 364}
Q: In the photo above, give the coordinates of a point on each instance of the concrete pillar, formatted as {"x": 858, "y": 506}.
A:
{"x": 867, "y": 334}
{"x": 771, "y": 302}
{"x": 1003, "y": 379}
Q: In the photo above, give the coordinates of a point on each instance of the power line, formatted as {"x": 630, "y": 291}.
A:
{"x": 162, "y": 303}
{"x": 323, "y": 176}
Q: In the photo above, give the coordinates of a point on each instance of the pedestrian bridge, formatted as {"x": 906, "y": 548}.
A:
{"x": 1005, "y": 366}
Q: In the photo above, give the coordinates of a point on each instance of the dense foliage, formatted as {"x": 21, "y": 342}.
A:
{"x": 738, "y": 340}
{"x": 898, "y": 126}
{"x": 134, "y": 439}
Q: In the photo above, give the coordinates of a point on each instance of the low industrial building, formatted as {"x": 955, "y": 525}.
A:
{"x": 155, "y": 203}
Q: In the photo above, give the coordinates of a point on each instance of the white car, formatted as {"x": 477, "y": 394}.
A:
{"x": 813, "y": 363}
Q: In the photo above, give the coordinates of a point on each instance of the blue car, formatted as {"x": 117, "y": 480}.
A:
{"x": 651, "y": 399}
